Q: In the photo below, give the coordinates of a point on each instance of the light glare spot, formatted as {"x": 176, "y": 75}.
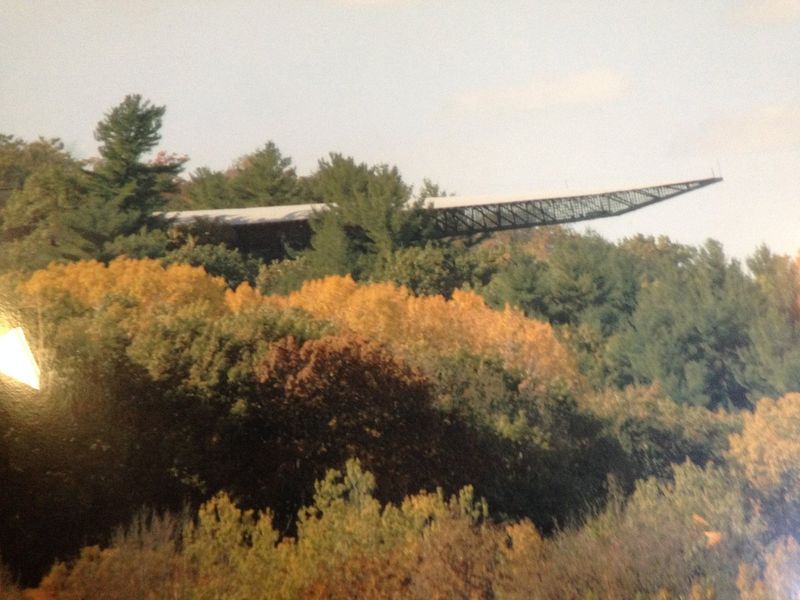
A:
{"x": 16, "y": 359}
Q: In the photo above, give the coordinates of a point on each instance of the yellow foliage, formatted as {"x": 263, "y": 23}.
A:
{"x": 145, "y": 281}
{"x": 140, "y": 289}
{"x": 420, "y": 325}
{"x": 326, "y": 296}
{"x": 349, "y": 545}
{"x": 768, "y": 449}
{"x": 524, "y": 555}
{"x": 244, "y": 298}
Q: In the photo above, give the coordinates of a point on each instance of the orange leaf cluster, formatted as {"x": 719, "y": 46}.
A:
{"x": 140, "y": 289}
{"x": 145, "y": 281}
{"x": 424, "y": 325}
{"x": 414, "y": 326}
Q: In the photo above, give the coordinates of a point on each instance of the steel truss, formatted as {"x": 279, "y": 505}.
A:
{"x": 484, "y": 218}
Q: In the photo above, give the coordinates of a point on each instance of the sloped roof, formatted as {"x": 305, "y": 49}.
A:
{"x": 247, "y": 216}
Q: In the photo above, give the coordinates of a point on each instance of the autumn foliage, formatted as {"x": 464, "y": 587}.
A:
{"x": 338, "y": 397}
{"x": 141, "y": 289}
{"x": 431, "y": 325}
{"x": 164, "y": 375}
{"x": 768, "y": 448}
{"x": 386, "y": 414}
{"x": 350, "y": 545}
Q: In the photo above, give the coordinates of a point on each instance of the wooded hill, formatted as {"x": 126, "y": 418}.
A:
{"x": 538, "y": 415}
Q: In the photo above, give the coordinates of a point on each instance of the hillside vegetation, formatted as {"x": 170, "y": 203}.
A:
{"x": 535, "y": 415}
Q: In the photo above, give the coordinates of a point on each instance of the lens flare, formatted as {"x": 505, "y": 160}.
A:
{"x": 16, "y": 359}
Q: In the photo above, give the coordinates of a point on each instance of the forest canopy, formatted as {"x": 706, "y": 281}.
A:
{"x": 543, "y": 414}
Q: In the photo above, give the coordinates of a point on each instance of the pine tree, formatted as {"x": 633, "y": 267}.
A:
{"x": 265, "y": 178}
{"x": 128, "y": 189}
{"x": 369, "y": 218}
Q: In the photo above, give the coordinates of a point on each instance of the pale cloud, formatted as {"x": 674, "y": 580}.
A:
{"x": 764, "y": 129}
{"x": 584, "y": 87}
{"x": 767, "y": 12}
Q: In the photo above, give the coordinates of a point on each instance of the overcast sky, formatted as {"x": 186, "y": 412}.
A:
{"x": 498, "y": 97}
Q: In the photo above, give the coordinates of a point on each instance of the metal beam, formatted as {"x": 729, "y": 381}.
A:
{"x": 266, "y": 230}
{"x": 518, "y": 214}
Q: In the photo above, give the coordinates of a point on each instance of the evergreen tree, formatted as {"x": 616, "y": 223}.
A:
{"x": 370, "y": 217}
{"x": 46, "y": 220}
{"x": 519, "y": 283}
{"x": 205, "y": 189}
{"x": 265, "y": 178}
{"x": 127, "y": 189}
{"x": 262, "y": 178}
{"x": 43, "y": 205}
{"x": 771, "y": 364}
{"x": 589, "y": 281}
{"x": 689, "y": 330}
{"x": 19, "y": 159}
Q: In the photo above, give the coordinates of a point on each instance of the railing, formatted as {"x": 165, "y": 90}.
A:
{"x": 517, "y": 214}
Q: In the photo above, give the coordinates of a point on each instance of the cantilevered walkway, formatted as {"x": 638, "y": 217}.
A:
{"x": 268, "y": 228}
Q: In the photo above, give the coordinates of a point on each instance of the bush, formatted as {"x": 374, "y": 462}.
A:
{"x": 768, "y": 452}
{"x": 669, "y": 536}
{"x": 143, "y": 561}
{"x": 654, "y": 432}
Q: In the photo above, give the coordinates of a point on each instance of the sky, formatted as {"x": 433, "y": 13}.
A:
{"x": 503, "y": 97}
